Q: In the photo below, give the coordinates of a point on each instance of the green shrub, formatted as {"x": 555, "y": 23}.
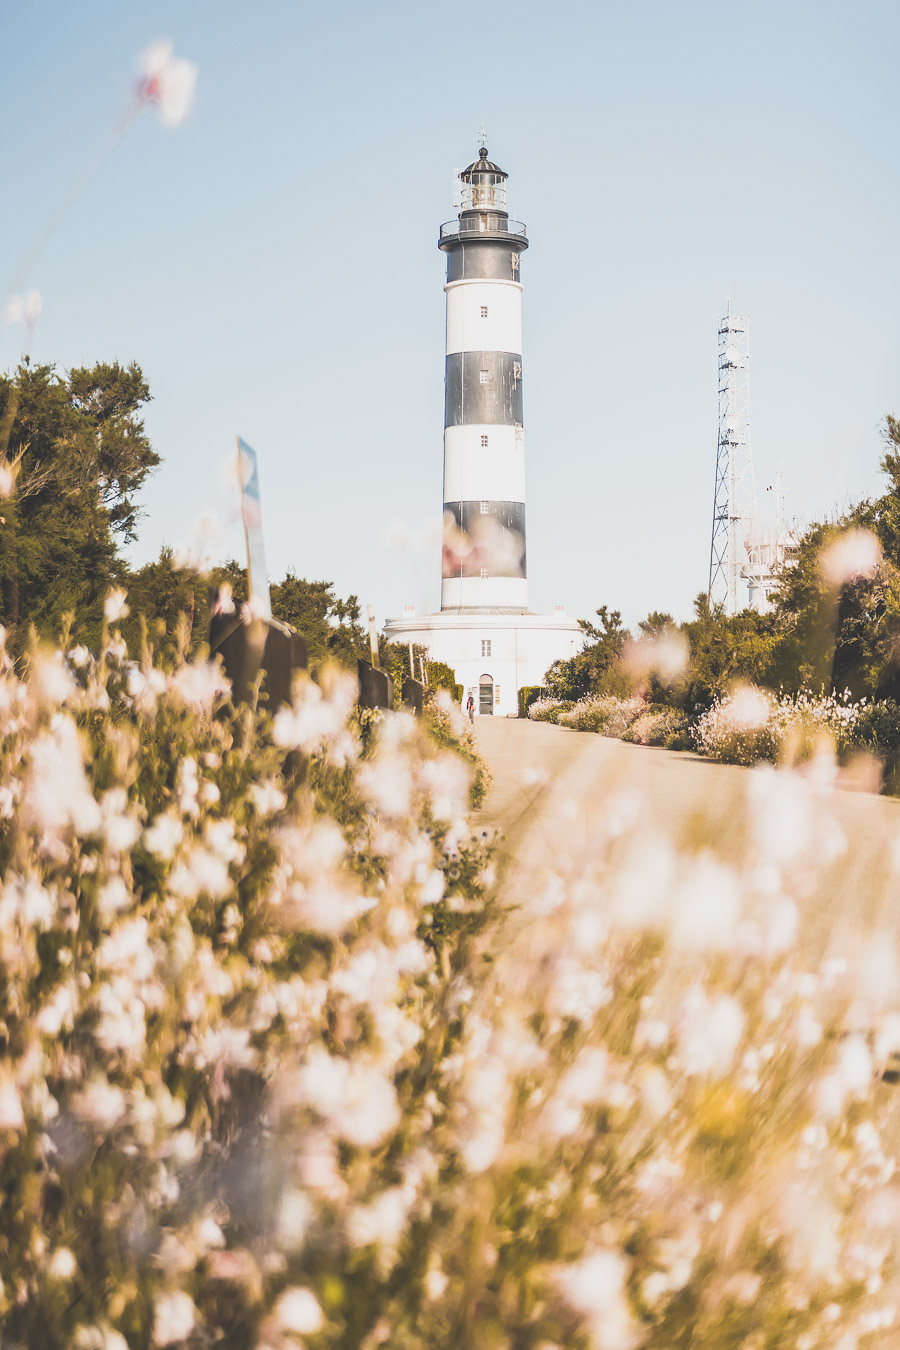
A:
{"x": 752, "y": 725}
{"x": 604, "y": 714}
{"x": 528, "y": 694}
{"x": 659, "y": 726}
{"x": 548, "y": 710}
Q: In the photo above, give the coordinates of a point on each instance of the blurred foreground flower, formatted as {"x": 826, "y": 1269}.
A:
{"x": 853, "y": 554}
{"x": 275, "y": 1072}
{"x": 22, "y": 309}
{"x": 166, "y": 81}
{"x": 665, "y": 656}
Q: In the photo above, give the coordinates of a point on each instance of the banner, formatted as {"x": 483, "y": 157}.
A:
{"x": 260, "y": 604}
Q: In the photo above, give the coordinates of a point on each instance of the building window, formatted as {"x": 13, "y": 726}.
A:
{"x": 485, "y": 646}
{"x": 484, "y": 572}
{"x": 484, "y": 311}
{"x": 484, "y": 441}
{"x": 484, "y": 377}
{"x": 485, "y": 508}
{"x": 496, "y": 693}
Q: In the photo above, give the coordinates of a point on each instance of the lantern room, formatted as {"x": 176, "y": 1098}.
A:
{"x": 483, "y": 186}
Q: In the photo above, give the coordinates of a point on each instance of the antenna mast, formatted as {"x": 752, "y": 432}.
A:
{"x": 734, "y": 505}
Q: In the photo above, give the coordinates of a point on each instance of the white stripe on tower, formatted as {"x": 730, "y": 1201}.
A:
{"x": 484, "y": 441}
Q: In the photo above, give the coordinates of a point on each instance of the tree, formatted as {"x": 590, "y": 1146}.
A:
{"x": 331, "y": 626}
{"x": 844, "y": 633}
{"x": 724, "y": 649}
{"x": 656, "y": 624}
{"x": 73, "y": 457}
{"x": 592, "y": 670}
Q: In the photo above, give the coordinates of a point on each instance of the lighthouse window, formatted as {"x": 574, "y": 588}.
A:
{"x": 485, "y": 646}
{"x": 484, "y": 376}
{"x": 484, "y": 440}
{"x": 484, "y": 311}
{"x": 485, "y": 506}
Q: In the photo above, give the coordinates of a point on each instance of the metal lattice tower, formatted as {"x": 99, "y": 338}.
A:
{"x": 734, "y": 507}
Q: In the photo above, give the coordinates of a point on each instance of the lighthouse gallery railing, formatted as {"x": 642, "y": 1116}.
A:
{"x": 482, "y": 225}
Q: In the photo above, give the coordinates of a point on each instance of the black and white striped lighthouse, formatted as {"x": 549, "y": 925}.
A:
{"x": 483, "y": 567}
{"x": 484, "y": 630}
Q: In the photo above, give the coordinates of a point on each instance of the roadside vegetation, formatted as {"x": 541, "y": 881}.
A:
{"x": 279, "y": 1073}
{"x": 822, "y": 666}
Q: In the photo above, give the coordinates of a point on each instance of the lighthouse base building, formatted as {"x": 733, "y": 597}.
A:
{"x": 493, "y": 654}
{"x": 484, "y": 630}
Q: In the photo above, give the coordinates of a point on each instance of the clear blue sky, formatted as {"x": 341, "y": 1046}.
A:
{"x": 272, "y": 263}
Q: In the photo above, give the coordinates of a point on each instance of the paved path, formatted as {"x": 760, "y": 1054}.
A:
{"x": 550, "y": 783}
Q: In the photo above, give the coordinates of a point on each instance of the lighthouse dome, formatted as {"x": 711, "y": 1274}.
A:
{"x": 482, "y": 165}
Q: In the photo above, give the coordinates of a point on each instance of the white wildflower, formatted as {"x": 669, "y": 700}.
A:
{"x": 57, "y": 795}
{"x": 113, "y": 897}
{"x": 163, "y": 837}
{"x": 596, "y": 1288}
{"x": 224, "y": 600}
{"x": 120, "y": 829}
{"x": 200, "y": 872}
{"x": 354, "y": 1095}
{"x": 314, "y": 718}
{"x": 706, "y": 907}
{"x": 51, "y": 680}
{"x": 79, "y": 657}
{"x": 383, "y": 1220}
{"x": 709, "y": 1032}
{"x": 12, "y": 1117}
{"x": 198, "y": 684}
{"x": 295, "y": 1213}
{"x": 127, "y": 948}
{"x": 114, "y": 606}
{"x": 446, "y": 783}
{"x": 100, "y": 1103}
{"x": 61, "y": 1265}
{"x": 267, "y": 797}
{"x": 218, "y": 835}
{"x": 386, "y": 783}
{"x": 298, "y": 1310}
{"x": 58, "y": 1013}
{"x": 174, "y": 1317}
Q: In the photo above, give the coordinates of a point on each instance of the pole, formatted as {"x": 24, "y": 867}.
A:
{"x": 412, "y": 666}
{"x": 373, "y": 637}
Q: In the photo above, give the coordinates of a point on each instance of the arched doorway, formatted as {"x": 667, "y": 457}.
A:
{"x": 486, "y": 696}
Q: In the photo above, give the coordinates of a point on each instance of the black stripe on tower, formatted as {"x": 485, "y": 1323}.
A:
{"x": 483, "y": 387}
{"x": 483, "y": 260}
{"x": 497, "y": 557}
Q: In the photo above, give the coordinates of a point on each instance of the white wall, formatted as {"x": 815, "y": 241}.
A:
{"x": 467, "y": 331}
{"x": 494, "y": 592}
{"x": 474, "y": 472}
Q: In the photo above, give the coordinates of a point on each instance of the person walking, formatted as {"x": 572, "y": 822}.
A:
{"x": 470, "y": 706}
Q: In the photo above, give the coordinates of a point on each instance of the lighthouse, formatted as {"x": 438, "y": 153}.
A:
{"x": 484, "y": 629}
{"x": 483, "y": 561}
